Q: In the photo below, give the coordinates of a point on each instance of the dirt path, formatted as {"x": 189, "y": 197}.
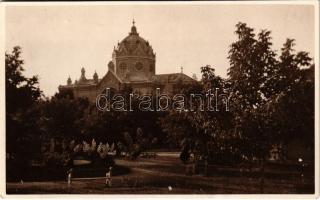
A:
{"x": 162, "y": 175}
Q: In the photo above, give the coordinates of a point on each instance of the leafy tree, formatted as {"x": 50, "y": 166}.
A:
{"x": 293, "y": 111}
{"x": 22, "y": 114}
{"x": 287, "y": 71}
{"x": 199, "y": 127}
{"x": 252, "y": 61}
{"x": 263, "y": 86}
{"x": 62, "y": 117}
{"x": 21, "y": 92}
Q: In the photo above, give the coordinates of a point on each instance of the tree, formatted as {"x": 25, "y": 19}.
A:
{"x": 252, "y": 61}
{"x": 262, "y": 88}
{"x": 293, "y": 104}
{"x": 63, "y": 117}
{"x": 22, "y": 114}
{"x": 287, "y": 70}
{"x": 21, "y": 92}
{"x": 193, "y": 128}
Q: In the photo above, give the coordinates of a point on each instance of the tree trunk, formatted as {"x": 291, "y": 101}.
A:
{"x": 206, "y": 167}
{"x": 262, "y": 168}
{"x": 52, "y": 145}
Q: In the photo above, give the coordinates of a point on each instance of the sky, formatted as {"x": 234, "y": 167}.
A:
{"x": 57, "y": 41}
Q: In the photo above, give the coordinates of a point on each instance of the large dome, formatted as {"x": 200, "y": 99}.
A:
{"x": 134, "y": 45}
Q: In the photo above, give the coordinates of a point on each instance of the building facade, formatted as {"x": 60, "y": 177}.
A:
{"x": 133, "y": 65}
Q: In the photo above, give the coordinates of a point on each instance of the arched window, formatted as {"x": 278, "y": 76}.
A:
{"x": 123, "y": 68}
{"x": 112, "y": 91}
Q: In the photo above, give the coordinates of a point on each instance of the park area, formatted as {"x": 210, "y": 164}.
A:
{"x": 257, "y": 138}
{"x": 166, "y": 174}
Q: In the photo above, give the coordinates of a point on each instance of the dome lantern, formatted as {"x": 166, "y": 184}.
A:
{"x": 83, "y": 75}
{"x": 133, "y": 45}
{"x": 69, "y": 82}
{"x": 133, "y": 29}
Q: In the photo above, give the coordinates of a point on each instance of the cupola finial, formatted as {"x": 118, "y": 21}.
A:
{"x": 83, "y": 74}
{"x": 133, "y": 28}
{"x": 69, "y": 82}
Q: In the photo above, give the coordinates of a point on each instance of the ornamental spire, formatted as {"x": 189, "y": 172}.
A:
{"x": 133, "y": 28}
{"x": 95, "y": 77}
{"x": 69, "y": 82}
{"x": 83, "y": 74}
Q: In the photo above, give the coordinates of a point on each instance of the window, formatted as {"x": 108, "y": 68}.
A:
{"x": 151, "y": 68}
{"x": 123, "y": 68}
{"x": 139, "y": 66}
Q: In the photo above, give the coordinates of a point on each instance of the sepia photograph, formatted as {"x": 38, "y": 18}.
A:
{"x": 210, "y": 98}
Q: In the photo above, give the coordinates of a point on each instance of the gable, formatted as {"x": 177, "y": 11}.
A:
{"x": 110, "y": 80}
{"x": 123, "y": 51}
{"x": 138, "y": 51}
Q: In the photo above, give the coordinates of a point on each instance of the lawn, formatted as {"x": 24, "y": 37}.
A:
{"x": 166, "y": 175}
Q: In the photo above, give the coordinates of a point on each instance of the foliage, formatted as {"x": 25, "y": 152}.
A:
{"x": 21, "y": 92}
{"x": 266, "y": 92}
{"x": 63, "y": 117}
{"x": 192, "y": 130}
{"x": 133, "y": 146}
{"x": 22, "y": 114}
{"x": 258, "y": 81}
{"x": 271, "y": 102}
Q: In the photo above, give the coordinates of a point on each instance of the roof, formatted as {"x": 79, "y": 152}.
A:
{"x": 174, "y": 77}
{"x": 133, "y": 44}
{"x": 87, "y": 82}
{"x": 111, "y": 74}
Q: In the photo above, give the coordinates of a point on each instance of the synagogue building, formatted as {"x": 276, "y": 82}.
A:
{"x": 133, "y": 65}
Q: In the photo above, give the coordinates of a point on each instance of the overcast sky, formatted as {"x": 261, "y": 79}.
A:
{"x": 58, "y": 40}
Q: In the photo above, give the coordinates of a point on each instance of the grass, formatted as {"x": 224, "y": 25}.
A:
{"x": 156, "y": 176}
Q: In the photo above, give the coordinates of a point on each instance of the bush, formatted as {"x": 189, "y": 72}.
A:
{"x": 56, "y": 159}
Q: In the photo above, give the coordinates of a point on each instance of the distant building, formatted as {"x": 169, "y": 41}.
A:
{"x": 132, "y": 65}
